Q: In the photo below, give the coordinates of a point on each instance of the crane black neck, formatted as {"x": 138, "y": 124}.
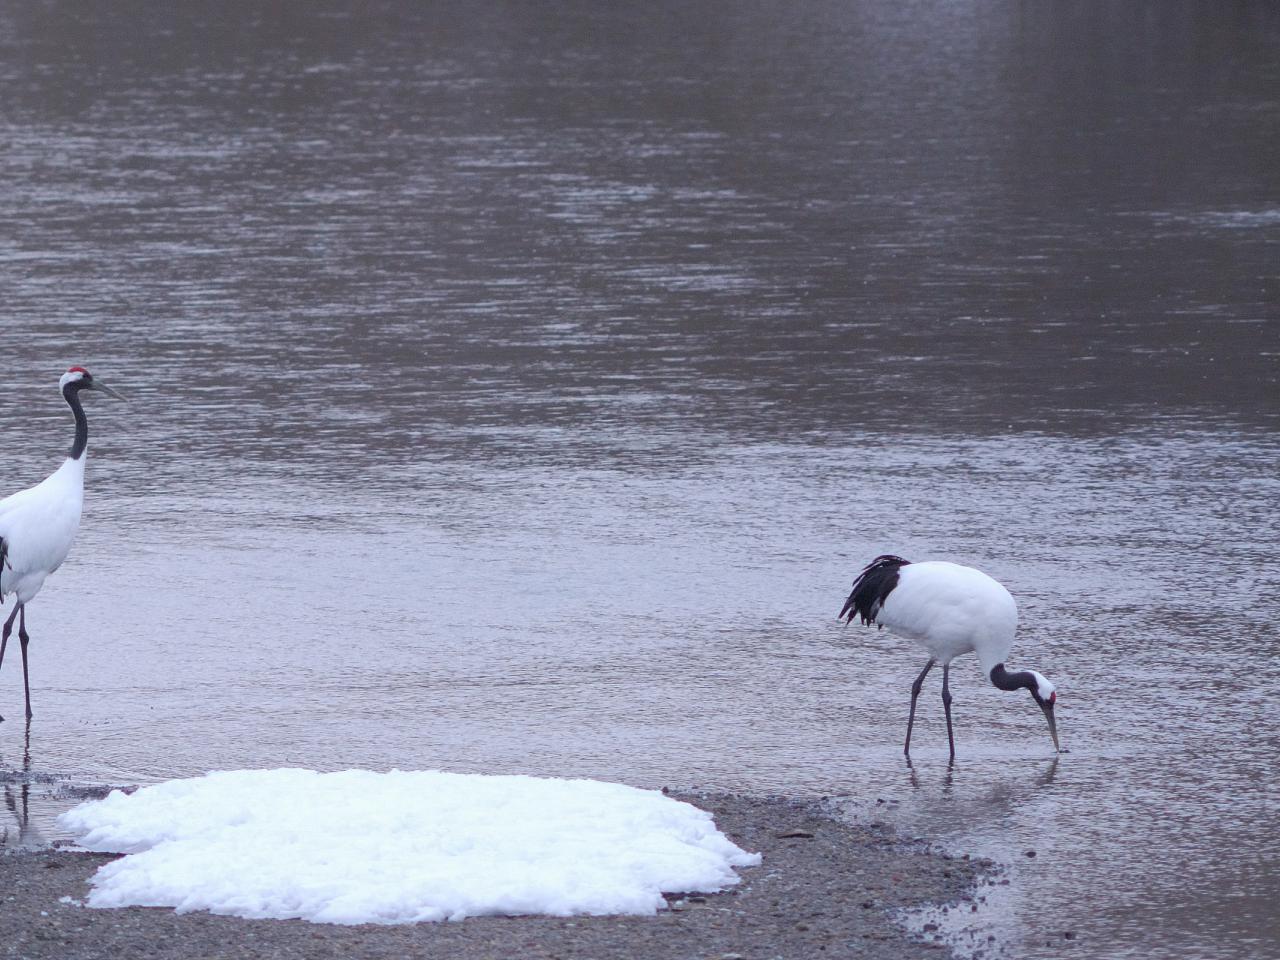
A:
{"x": 1005, "y": 680}
{"x": 71, "y": 393}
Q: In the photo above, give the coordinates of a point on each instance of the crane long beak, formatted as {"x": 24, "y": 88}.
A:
{"x": 1053, "y": 726}
{"x": 99, "y": 385}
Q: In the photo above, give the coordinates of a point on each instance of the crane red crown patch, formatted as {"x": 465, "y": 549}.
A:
{"x": 78, "y": 370}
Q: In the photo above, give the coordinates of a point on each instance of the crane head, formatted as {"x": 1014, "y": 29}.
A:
{"x": 1045, "y": 697}
{"x": 81, "y": 379}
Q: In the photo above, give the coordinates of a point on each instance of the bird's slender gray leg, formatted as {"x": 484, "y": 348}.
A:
{"x": 915, "y": 692}
{"x": 4, "y": 636}
{"x": 4, "y": 562}
{"x": 946, "y": 706}
{"x": 8, "y": 627}
{"x": 23, "y": 639}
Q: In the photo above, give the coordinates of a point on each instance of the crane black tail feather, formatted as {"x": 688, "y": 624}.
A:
{"x": 873, "y": 585}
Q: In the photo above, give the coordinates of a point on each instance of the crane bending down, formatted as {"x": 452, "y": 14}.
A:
{"x": 949, "y": 610}
{"x": 38, "y": 524}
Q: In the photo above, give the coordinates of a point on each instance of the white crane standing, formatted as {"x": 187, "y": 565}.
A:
{"x": 949, "y": 610}
{"x": 38, "y": 524}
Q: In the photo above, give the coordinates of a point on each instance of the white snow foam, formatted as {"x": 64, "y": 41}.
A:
{"x": 399, "y": 847}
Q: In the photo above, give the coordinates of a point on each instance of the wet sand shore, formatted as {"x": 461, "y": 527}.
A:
{"x": 825, "y": 888}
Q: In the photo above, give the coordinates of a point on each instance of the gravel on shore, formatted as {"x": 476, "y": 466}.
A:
{"x": 826, "y": 888}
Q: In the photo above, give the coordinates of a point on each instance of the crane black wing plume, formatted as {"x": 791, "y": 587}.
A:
{"x": 874, "y": 583}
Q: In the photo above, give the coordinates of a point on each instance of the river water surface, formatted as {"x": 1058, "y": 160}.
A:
{"x": 517, "y": 388}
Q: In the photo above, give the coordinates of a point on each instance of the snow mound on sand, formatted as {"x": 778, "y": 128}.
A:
{"x": 399, "y": 847}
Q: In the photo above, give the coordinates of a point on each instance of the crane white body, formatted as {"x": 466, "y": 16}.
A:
{"x": 38, "y": 526}
{"x": 951, "y": 610}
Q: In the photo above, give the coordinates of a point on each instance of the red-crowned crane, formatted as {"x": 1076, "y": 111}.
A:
{"x": 38, "y": 524}
{"x": 949, "y": 610}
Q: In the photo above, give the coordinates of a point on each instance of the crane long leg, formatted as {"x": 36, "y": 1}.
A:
{"x": 8, "y": 627}
{"x": 23, "y": 639}
{"x": 915, "y": 692}
{"x": 946, "y": 705}
{"x": 4, "y": 636}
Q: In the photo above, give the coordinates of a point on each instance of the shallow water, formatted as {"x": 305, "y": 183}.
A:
{"x": 519, "y": 392}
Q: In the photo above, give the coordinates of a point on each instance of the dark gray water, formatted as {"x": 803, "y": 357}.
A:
{"x": 518, "y": 388}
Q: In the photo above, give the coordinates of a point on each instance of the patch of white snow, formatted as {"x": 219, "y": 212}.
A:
{"x": 399, "y": 847}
